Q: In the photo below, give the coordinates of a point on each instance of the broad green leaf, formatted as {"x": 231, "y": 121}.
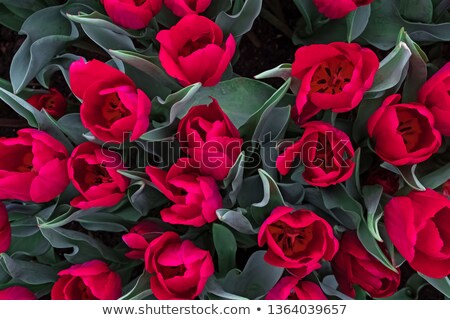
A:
{"x": 417, "y": 71}
{"x": 353, "y": 184}
{"x": 329, "y": 286}
{"x": 372, "y": 196}
{"x": 283, "y": 71}
{"x": 145, "y": 198}
{"x": 256, "y": 124}
{"x": 99, "y": 20}
{"x": 72, "y": 126}
{"x": 356, "y": 22}
{"x": 417, "y": 10}
{"x": 268, "y": 133}
{"x": 408, "y": 174}
{"x": 372, "y": 246}
{"x": 140, "y": 290}
{"x": 9, "y": 19}
{"x": 27, "y": 271}
{"x": 44, "y": 41}
{"x": 35, "y": 118}
{"x": 225, "y": 245}
{"x": 84, "y": 247}
{"x": 30, "y": 245}
{"x": 240, "y": 98}
{"x": 148, "y": 65}
{"x": 233, "y": 181}
{"x": 215, "y": 291}
{"x": 386, "y": 21}
{"x": 175, "y": 106}
{"x": 442, "y": 285}
{"x": 272, "y": 198}
{"x": 391, "y": 69}
{"x": 230, "y": 94}
{"x": 241, "y": 22}
{"x": 365, "y": 111}
{"x": 33, "y": 5}
{"x": 345, "y": 208}
{"x": 436, "y": 178}
{"x": 257, "y": 278}
{"x": 65, "y": 218}
{"x": 237, "y": 220}
{"x": 216, "y": 7}
{"x": 308, "y": 11}
{"x": 60, "y": 63}
{"x": 108, "y": 39}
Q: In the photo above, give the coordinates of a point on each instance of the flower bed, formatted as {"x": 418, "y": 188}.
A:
{"x": 225, "y": 149}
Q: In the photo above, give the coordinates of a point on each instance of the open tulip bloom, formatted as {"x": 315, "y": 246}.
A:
{"x": 205, "y": 149}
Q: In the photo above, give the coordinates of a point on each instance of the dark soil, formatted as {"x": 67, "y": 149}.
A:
{"x": 265, "y": 47}
{"x": 10, "y": 42}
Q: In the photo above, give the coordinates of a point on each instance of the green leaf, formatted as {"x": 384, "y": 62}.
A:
{"x": 345, "y": 208}
{"x": 108, "y": 39}
{"x": 99, "y": 20}
{"x": 283, "y": 71}
{"x": 102, "y": 221}
{"x": 372, "y": 196}
{"x": 44, "y": 40}
{"x": 72, "y": 126}
{"x": 216, "y": 7}
{"x": 145, "y": 198}
{"x": 385, "y": 23}
{"x": 365, "y": 111}
{"x": 32, "y": 245}
{"x": 215, "y": 291}
{"x": 256, "y": 123}
{"x": 84, "y": 247}
{"x": 437, "y": 177}
{"x": 149, "y": 65}
{"x": 65, "y": 218}
{"x": 372, "y": 246}
{"x": 174, "y": 106}
{"x": 21, "y": 107}
{"x": 417, "y": 10}
{"x": 269, "y": 132}
{"x": 35, "y": 118}
{"x": 27, "y": 271}
{"x": 241, "y": 22}
{"x": 356, "y": 22}
{"x": 230, "y": 95}
{"x": 272, "y": 198}
{"x": 329, "y": 286}
{"x": 353, "y": 184}
{"x": 408, "y": 174}
{"x": 9, "y": 19}
{"x": 417, "y": 71}
{"x": 60, "y": 63}
{"x": 257, "y": 278}
{"x": 237, "y": 220}
{"x": 33, "y": 5}
{"x": 442, "y": 285}
{"x": 308, "y": 11}
{"x": 225, "y": 245}
{"x": 391, "y": 70}
{"x": 233, "y": 181}
{"x": 140, "y": 290}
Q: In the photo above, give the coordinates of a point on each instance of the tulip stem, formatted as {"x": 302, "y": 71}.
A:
{"x": 277, "y": 23}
